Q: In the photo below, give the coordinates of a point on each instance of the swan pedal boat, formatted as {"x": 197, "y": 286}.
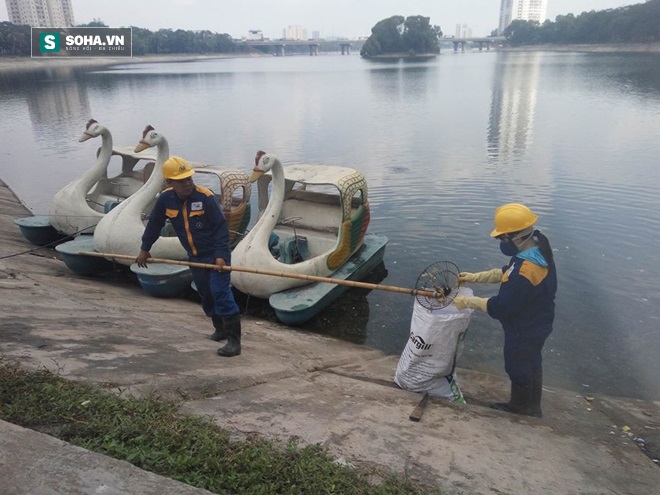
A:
{"x": 79, "y": 206}
{"x": 76, "y": 209}
{"x": 120, "y": 231}
{"x": 314, "y": 222}
{"x": 104, "y": 196}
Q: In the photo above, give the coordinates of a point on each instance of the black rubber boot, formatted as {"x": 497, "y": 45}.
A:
{"x": 537, "y": 392}
{"x": 522, "y": 401}
{"x": 233, "y": 329}
{"x": 220, "y": 333}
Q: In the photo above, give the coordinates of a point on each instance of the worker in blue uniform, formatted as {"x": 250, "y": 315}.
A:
{"x": 195, "y": 214}
{"x": 524, "y": 305}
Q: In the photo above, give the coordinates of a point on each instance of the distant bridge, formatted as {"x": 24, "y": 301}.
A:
{"x": 280, "y": 45}
{"x": 486, "y": 41}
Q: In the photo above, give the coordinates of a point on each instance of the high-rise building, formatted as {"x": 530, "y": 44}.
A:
{"x": 295, "y": 33}
{"x": 40, "y": 13}
{"x": 463, "y": 31}
{"x": 524, "y": 10}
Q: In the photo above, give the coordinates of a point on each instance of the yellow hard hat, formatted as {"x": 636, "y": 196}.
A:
{"x": 176, "y": 168}
{"x": 512, "y": 217}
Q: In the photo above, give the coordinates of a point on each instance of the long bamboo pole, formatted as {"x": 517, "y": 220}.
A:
{"x": 440, "y": 295}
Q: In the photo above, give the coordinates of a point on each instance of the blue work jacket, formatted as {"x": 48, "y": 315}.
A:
{"x": 525, "y": 303}
{"x": 198, "y": 222}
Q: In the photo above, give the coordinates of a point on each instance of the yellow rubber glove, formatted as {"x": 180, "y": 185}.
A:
{"x": 493, "y": 276}
{"x": 462, "y": 302}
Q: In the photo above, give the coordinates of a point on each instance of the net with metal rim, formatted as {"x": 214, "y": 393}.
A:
{"x": 441, "y": 278}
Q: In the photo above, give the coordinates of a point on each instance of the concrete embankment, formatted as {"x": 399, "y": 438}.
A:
{"x": 289, "y": 383}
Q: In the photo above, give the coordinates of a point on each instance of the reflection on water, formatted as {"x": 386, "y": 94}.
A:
{"x": 441, "y": 143}
{"x": 515, "y": 86}
{"x": 345, "y": 319}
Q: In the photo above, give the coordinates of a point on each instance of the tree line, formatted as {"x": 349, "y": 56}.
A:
{"x": 15, "y": 41}
{"x": 631, "y": 24}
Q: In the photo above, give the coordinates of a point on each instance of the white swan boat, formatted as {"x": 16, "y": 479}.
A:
{"x": 314, "y": 221}
{"x": 120, "y": 230}
{"x": 80, "y": 205}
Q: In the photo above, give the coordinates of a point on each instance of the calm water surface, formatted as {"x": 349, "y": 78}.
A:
{"x": 574, "y": 136}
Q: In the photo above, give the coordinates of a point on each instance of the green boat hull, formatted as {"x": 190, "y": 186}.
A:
{"x": 297, "y": 306}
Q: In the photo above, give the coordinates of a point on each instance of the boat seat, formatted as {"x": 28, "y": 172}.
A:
{"x": 273, "y": 247}
{"x": 293, "y": 250}
{"x": 109, "y": 205}
{"x": 313, "y": 215}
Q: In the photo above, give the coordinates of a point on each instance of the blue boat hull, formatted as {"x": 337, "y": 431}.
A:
{"x": 37, "y": 230}
{"x": 297, "y": 306}
{"x": 162, "y": 280}
{"x": 80, "y": 263}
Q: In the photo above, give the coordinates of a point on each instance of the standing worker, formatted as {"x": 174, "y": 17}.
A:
{"x": 197, "y": 219}
{"x": 524, "y": 305}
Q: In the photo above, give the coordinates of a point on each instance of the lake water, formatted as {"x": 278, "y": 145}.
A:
{"x": 442, "y": 143}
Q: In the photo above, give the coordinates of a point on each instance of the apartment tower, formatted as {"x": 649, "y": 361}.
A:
{"x": 40, "y": 13}
{"x": 524, "y": 10}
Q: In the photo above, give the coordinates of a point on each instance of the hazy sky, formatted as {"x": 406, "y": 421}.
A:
{"x": 347, "y": 18}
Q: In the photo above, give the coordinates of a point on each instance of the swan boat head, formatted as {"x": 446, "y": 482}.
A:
{"x": 235, "y": 206}
{"x": 77, "y": 207}
{"x": 120, "y": 231}
{"x": 329, "y": 228}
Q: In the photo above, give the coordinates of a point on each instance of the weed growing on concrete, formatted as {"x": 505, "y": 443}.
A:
{"x": 152, "y": 435}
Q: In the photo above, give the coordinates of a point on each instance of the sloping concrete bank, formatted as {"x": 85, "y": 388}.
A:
{"x": 291, "y": 383}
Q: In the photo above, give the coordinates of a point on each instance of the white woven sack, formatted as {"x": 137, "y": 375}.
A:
{"x": 427, "y": 362}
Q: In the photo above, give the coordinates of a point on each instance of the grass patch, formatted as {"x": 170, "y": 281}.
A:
{"x": 152, "y": 435}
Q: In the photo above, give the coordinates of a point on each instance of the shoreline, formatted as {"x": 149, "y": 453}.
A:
{"x": 19, "y": 64}
{"x": 589, "y": 48}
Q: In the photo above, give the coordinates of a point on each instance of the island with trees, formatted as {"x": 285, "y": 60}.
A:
{"x": 398, "y": 37}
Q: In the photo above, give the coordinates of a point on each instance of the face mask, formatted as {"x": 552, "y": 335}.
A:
{"x": 508, "y": 248}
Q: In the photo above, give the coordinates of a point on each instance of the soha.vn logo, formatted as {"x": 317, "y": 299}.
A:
{"x": 49, "y": 42}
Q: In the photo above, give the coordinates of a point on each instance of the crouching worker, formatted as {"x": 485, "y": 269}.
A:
{"x": 197, "y": 219}
{"x": 524, "y": 305}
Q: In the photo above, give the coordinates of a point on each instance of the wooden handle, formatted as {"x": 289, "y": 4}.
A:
{"x": 416, "y": 415}
{"x": 313, "y": 278}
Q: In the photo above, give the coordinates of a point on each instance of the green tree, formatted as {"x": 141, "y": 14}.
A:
{"x": 385, "y": 37}
{"x": 14, "y": 39}
{"x": 419, "y": 36}
{"x": 522, "y": 33}
{"x": 140, "y": 38}
{"x": 396, "y": 35}
{"x": 94, "y": 23}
